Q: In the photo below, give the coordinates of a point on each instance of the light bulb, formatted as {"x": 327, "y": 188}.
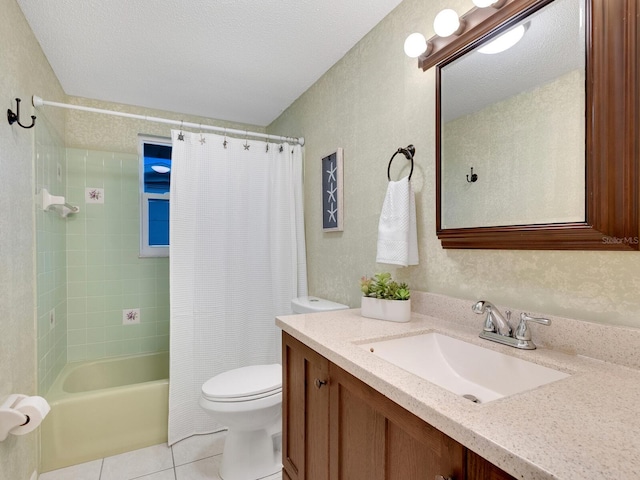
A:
{"x": 446, "y": 23}
{"x": 415, "y": 45}
{"x": 160, "y": 169}
{"x": 504, "y": 41}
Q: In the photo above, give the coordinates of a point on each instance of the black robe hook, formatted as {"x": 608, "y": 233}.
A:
{"x": 474, "y": 177}
{"x": 15, "y": 117}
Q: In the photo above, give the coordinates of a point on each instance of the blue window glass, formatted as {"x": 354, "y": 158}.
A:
{"x": 158, "y": 222}
{"x": 155, "y": 181}
{"x": 157, "y": 168}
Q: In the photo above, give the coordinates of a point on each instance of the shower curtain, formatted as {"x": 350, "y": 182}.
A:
{"x": 237, "y": 258}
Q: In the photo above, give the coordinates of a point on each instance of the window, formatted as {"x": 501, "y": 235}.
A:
{"x": 155, "y": 179}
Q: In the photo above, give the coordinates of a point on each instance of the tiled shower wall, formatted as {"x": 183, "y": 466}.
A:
{"x": 105, "y": 277}
{"x": 50, "y": 165}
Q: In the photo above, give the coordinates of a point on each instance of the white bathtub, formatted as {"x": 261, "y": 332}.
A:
{"x": 105, "y": 407}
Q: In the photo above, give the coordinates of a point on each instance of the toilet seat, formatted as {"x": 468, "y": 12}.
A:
{"x": 244, "y": 384}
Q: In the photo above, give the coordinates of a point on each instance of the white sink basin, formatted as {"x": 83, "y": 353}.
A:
{"x": 463, "y": 368}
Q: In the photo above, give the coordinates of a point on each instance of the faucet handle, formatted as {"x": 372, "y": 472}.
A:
{"x": 522, "y": 331}
{"x": 480, "y": 307}
{"x": 488, "y": 324}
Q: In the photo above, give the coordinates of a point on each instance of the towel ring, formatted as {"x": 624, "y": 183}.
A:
{"x": 408, "y": 152}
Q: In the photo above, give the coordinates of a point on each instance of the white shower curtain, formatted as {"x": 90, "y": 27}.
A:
{"x": 237, "y": 258}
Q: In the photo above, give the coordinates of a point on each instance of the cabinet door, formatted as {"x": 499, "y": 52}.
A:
{"x": 305, "y": 412}
{"x": 480, "y": 469}
{"x": 373, "y": 438}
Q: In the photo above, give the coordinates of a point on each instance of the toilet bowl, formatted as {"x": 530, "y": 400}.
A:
{"x": 248, "y": 401}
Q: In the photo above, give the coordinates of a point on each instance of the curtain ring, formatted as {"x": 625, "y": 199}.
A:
{"x": 181, "y": 135}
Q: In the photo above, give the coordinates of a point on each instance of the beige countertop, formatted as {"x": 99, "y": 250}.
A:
{"x": 584, "y": 427}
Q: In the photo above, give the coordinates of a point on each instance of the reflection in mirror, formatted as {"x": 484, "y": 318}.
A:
{"x": 517, "y": 117}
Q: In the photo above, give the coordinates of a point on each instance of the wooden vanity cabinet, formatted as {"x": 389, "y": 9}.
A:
{"x": 373, "y": 438}
{"x": 480, "y": 469}
{"x": 335, "y": 427}
{"x": 305, "y": 412}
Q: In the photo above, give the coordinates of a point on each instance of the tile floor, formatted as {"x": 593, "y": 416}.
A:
{"x": 195, "y": 458}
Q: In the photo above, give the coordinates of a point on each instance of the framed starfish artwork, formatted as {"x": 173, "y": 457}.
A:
{"x": 332, "y": 198}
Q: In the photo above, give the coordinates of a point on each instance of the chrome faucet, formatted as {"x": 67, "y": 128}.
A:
{"x": 498, "y": 329}
{"x": 494, "y": 322}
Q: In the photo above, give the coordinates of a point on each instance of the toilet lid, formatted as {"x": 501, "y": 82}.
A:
{"x": 244, "y": 383}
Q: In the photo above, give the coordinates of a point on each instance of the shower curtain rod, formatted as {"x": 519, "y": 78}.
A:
{"x": 39, "y": 102}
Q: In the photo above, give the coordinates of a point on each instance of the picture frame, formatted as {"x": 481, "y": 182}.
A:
{"x": 332, "y": 191}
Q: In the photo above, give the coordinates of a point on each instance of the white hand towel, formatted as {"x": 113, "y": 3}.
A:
{"x": 397, "y": 233}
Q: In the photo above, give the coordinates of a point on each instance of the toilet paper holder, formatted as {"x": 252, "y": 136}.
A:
{"x": 13, "y": 420}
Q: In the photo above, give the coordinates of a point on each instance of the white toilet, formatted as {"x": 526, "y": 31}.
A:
{"x": 248, "y": 401}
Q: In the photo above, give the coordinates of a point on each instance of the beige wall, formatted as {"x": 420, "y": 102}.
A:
{"x": 25, "y": 71}
{"x": 108, "y": 133}
{"x": 372, "y": 102}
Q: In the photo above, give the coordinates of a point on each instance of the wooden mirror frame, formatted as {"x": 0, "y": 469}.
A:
{"x": 612, "y": 133}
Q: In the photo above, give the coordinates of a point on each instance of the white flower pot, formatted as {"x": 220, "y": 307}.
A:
{"x": 392, "y": 310}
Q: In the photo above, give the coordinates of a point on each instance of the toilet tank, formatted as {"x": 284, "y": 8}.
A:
{"x": 314, "y": 304}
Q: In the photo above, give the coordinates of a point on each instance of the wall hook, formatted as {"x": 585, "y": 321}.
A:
{"x": 15, "y": 117}
{"x": 474, "y": 177}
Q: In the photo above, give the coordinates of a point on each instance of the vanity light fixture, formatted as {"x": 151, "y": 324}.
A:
{"x": 451, "y": 29}
{"x": 448, "y": 23}
{"x": 505, "y": 41}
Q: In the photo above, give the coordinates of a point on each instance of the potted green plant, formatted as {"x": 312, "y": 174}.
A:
{"x": 385, "y": 299}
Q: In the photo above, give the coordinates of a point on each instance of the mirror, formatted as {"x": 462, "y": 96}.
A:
{"x": 517, "y": 117}
{"x": 571, "y": 186}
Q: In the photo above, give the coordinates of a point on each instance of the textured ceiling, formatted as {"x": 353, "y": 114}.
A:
{"x": 237, "y": 60}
